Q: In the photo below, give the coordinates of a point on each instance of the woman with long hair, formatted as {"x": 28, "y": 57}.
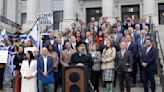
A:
{"x": 28, "y": 71}
{"x": 96, "y": 67}
{"x": 108, "y": 65}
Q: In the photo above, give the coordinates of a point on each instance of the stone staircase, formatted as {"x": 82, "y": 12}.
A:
{"x": 7, "y": 24}
{"x": 160, "y": 29}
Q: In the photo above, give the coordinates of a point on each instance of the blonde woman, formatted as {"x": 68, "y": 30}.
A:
{"x": 108, "y": 65}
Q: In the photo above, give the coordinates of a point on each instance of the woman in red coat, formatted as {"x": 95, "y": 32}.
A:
{"x": 100, "y": 39}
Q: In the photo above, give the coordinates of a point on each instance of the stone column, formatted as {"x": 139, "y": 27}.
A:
{"x": 31, "y": 15}
{"x": 69, "y": 13}
{"x": 108, "y": 9}
{"x": 149, "y": 9}
{"x": 31, "y": 10}
{"x": 1, "y": 7}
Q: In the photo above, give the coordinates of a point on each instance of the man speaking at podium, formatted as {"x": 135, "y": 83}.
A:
{"x": 81, "y": 57}
{"x": 77, "y": 75}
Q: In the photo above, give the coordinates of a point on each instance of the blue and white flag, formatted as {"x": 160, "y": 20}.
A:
{"x": 3, "y": 33}
{"x": 35, "y": 35}
{"x": 23, "y": 37}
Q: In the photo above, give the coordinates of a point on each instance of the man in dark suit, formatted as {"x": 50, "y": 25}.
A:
{"x": 91, "y": 23}
{"x": 51, "y": 41}
{"x": 128, "y": 23}
{"x": 82, "y": 28}
{"x": 96, "y": 27}
{"x": 73, "y": 42}
{"x": 132, "y": 46}
{"x": 81, "y": 57}
{"x": 58, "y": 47}
{"x": 148, "y": 61}
{"x": 141, "y": 41}
{"x": 45, "y": 71}
{"x": 137, "y": 32}
{"x": 143, "y": 23}
{"x": 120, "y": 27}
{"x": 133, "y": 34}
{"x": 124, "y": 66}
{"x": 116, "y": 37}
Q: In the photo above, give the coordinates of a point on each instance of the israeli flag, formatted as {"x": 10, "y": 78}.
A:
{"x": 3, "y": 33}
{"x": 35, "y": 35}
{"x": 23, "y": 37}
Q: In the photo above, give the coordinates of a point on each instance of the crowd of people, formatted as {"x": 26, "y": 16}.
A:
{"x": 111, "y": 51}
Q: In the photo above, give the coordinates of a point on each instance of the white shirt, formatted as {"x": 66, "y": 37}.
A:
{"x": 104, "y": 42}
{"x": 62, "y": 40}
{"x": 74, "y": 45}
{"x": 60, "y": 47}
{"x": 52, "y": 42}
{"x": 128, "y": 44}
{"x": 95, "y": 28}
{"x": 119, "y": 28}
{"x": 115, "y": 37}
{"x": 45, "y": 63}
{"x": 132, "y": 35}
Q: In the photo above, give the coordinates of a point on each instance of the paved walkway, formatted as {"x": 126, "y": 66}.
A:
{"x": 138, "y": 88}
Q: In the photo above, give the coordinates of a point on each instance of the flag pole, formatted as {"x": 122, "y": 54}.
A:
{"x": 31, "y": 28}
{"x": 33, "y": 25}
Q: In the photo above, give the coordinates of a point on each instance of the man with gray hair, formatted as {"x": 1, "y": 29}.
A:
{"x": 51, "y": 40}
{"x": 45, "y": 71}
{"x": 124, "y": 66}
{"x": 66, "y": 54}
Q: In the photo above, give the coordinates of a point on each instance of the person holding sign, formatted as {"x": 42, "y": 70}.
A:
{"x": 18, "y": 62}
{"x": 2, "y": 69}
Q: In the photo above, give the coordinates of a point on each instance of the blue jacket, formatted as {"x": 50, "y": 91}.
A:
{"x": 40, "y": 67}
{"x": 56, "y": 48}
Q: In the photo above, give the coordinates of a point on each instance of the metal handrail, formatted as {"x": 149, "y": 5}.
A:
{"x": 159, "y": 67}
{"x": 8, "y": 22}
{"x": 160, "y": 71}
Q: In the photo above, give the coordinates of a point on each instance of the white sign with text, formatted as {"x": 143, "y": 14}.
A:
{"x": 3, "y": 56}
{"x": 45, "y": 18}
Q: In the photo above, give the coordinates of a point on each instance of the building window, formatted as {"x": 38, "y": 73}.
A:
{"x": 57, "y": 17}
{"x": 93, "y": 12}
{"x": 132, "y": 11}
{"x": 23, "y": 18}
{"x": 161, "y": 13}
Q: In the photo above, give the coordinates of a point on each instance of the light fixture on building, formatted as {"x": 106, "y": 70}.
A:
{"x": 163, "y": 14}
{"x": 131, "y": 9}
{"x": 97, "y": 11}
